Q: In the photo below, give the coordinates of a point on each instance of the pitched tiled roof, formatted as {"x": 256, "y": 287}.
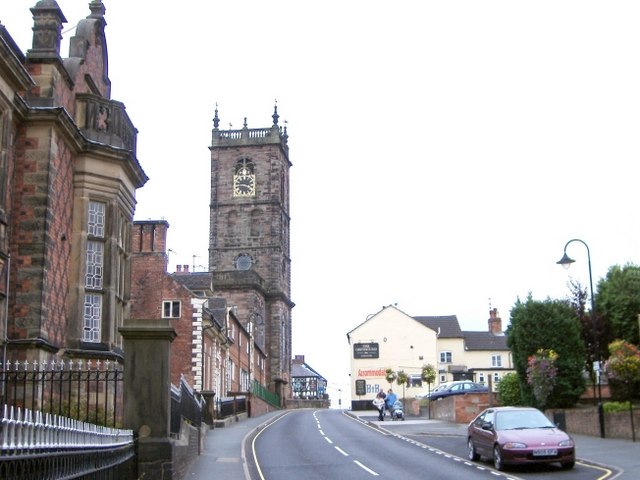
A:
{"x": 446, "y": 326}
{"x": 484, "y": 341}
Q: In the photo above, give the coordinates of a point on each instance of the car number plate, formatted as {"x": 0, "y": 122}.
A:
{"x": 545, "y": 452}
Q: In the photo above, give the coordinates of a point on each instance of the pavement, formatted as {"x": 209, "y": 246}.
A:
{"x": 223, "y": 453}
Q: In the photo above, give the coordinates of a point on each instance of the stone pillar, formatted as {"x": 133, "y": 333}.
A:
{"x": 147, "y": 394}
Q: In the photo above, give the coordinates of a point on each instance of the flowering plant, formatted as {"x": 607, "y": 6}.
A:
{"x": 402, "y": 377}
{"x": 390, "y": 375}
{"x": 428, "y": 373}
{"x": 541, "y": 373}
{"x": 624, "y": 362}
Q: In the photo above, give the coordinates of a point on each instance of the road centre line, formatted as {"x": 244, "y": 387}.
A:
{"x": 365, "y": 468}
{"x": 341, "y": 451}
{"x": 327, "y": 439}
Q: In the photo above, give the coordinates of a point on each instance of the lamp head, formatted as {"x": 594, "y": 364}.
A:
{"x": 565, "y": 261}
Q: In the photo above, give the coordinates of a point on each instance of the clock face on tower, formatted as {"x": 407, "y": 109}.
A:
{"x": 244, "y": 184}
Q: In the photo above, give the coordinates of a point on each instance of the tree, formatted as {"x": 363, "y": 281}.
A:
{"x": 596, "y": 335}
{"x": 550, "y": 325}
{"x": 618, "y": 300}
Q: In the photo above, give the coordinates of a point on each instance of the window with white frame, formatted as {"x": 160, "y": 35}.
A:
{"x": 230, "y": 367}
{"x": 94, "y": 272}
{"x": 96, "y": 219}
{"x": 496, "y": 360}
{"x": 91, "y": 318}
{"x": 170, "y": 309}
{"x": 481, "y": 377}
{"x": 496, "y": 377}
{"x": 95, "y": 264}
{"x": 244, "y": 380}
{"x": 445, "y": 357}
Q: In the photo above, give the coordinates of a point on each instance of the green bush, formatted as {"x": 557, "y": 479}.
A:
{"x": 509, "y": 390}
{"x": 615, "y": 407}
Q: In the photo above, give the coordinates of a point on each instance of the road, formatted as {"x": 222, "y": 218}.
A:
{"x": 329, "y": 444}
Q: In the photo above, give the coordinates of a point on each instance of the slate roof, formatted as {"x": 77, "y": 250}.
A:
{"x": 484, "y": 341}
{"x": 447, "y": 326}
{"x": 197, "y": 281}
{"x": 304, "y": 370}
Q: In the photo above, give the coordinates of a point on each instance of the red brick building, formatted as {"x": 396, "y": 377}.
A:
{"x": 68, "y": 179}
{"x": 212, "y": 351}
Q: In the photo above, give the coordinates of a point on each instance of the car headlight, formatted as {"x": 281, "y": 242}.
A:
{"x": 566, "y": 443}
{"x": 511, "y": 445}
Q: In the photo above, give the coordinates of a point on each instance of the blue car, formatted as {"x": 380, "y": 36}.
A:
{"x": 458, "y": 388}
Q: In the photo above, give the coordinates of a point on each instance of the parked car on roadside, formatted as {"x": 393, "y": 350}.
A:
{"x": 518, "y": 435}
{"x": 458, "y": 388}
{"x": 440, "y": 387}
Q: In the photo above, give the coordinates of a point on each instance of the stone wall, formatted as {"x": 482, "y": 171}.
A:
{"x": 310, "y": 403}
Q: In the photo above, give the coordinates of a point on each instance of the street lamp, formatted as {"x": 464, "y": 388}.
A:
{"x": 566, "y": 262}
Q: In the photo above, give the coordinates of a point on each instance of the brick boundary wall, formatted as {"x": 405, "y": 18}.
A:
{"x": 579, "y": 421}
{"x": 584, "y": 421}
{"x": 260, "y": 407}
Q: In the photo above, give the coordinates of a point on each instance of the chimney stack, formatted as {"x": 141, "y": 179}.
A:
{"x": 495, "y": 322}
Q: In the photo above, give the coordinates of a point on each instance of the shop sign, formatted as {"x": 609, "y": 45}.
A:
{"x": 366, "y": 350}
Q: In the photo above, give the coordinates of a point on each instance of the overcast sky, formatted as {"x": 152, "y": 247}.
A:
{"x": 443, "y": 152}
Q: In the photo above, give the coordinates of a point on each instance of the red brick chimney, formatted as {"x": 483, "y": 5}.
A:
{"x": 298, "y": 359}
{"x": 149, "y": 236}
{"x": 495, "y": 322}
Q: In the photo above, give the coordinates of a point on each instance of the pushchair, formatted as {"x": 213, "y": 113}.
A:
{"x": 397, "y": 412}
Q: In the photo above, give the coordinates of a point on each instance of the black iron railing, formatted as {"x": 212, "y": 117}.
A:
{"x": 86, "y": 391}
{"x": 185, "y": 405}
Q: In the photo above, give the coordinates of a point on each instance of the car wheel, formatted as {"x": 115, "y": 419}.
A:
{"x": 567, "y": 465}
{"x": 473, "y": 455}
{"x": 497, "y": 458}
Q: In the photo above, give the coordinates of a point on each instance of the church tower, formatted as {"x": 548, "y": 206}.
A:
{"x": 249, "y": 237}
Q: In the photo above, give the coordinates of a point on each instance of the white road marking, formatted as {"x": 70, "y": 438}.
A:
{"x": 365, "y": 468}
{"x": 342, "y": 451}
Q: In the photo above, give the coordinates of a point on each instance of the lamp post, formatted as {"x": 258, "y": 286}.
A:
{"x": 566, "y": 262}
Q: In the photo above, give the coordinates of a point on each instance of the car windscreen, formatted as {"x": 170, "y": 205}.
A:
{"x": 521, "y": 419}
